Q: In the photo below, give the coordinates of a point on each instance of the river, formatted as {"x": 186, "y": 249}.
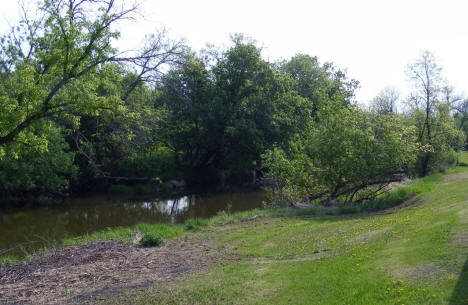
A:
{"x": 26, "y": 230}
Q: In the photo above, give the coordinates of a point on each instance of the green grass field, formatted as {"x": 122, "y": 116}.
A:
{"x": 415, "y": 253}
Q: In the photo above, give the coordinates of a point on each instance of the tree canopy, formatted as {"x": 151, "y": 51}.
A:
{"x": 77, "y": 113}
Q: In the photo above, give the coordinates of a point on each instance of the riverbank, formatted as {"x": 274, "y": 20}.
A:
{"x": 413, "y": 253}
{"x": 27, "y": 231}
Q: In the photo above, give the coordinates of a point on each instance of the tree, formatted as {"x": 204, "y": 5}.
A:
{"x": 348, "y": 155}
{"x": 51, "y": 67}
{"x": 461, "y": 118}
{"x": 319, "y": 83}
{"x": 223, "y": 112}
{"x": 429, "y": 109}
{"x": 36, "y": 175}
{"x": 385, "y": 101}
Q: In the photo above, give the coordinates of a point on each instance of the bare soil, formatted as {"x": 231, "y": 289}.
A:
{"x": 85, "y": 273}
{"x": 454, "y": 177}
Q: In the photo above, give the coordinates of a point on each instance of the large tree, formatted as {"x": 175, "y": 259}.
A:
{"x": 225, "y": 111}
{"x": 430, "y": 109}
{"x": 319, "y": 83}
{"x": 52, "y": 66}
{"x": 348, "y": 155}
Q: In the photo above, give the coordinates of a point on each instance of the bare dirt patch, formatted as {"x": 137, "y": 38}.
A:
{"x": 455, "y": 177}
{"x": 369, "y": 235}
{"x": 85, "y": 273}
{"x": 461, "y": 238}
{"x": 424, "y": 272}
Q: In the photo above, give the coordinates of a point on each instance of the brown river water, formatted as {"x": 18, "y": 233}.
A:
{"x": 26, "y": 230}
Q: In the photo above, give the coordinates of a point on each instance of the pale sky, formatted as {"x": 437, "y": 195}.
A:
{"x": 374, "y": 40}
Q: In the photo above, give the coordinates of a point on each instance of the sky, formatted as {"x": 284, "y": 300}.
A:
{"x": 374, "y": 40}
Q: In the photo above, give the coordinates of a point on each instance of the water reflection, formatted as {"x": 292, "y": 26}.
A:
{"x": 33, "y": 228}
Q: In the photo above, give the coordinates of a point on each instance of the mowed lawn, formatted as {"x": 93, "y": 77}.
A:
{"x": 412, "y": 254}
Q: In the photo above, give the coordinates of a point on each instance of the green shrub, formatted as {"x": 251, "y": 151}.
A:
{"x": 151, "y": 240}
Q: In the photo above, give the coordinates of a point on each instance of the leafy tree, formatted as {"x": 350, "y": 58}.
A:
{"x": 437, "y": 134}
{"x": 461, "y": 118}
{"x": 319, "y": 83}
{"x": 53, "y": 65}
{"x": 385, "y": 101}
{"x": 348, "y": 155}
{"x": 33, "y": 174}
{"x": 221, "y": 117}
{"x": 60, "y": 67}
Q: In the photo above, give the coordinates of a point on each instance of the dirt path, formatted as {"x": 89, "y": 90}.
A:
{"x": 85, "y": 273}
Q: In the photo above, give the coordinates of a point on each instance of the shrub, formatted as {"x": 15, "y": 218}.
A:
{"x": 151, "y": 240}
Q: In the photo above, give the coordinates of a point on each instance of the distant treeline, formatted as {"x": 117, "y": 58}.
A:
{"x": 76, "y": 113}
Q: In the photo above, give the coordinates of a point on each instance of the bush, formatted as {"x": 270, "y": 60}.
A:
{"x": 151, "y": 240}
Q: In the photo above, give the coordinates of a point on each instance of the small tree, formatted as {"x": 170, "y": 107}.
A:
{"x": 348, "y": 155}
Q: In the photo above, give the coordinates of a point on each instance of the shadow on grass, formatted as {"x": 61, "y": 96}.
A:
{"x": 460, "y": 293}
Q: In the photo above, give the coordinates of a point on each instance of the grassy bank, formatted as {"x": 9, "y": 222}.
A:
{"x": 396, "y": 196}
{"x": 412, "y": 254}
{"x": 126, "y": 234}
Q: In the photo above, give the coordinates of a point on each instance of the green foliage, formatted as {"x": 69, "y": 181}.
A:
{"x": 222, "y": 116}
{"x": 347, "y": 155}
{"x": 209, "y": 119}
{"x": 151, "y": 240}
{"x": 155, "y": 162}
{"x": 395, "y": 196}
{"x": 319, "y": 84}
{"x": 34, "y": 173}
{"x": 59, "y": 75}
{"x": 441, "y": 152}
{"x": 137, "y": 189}
{"x": 58, "y": 65}
{"x": 430, "y": 111}
{"x": 461, "y": 119}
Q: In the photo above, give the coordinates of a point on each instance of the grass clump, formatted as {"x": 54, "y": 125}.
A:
{"x": 195, "y": 224}
{"x": 151, "y": 240}
{"x": 8, "y": 259}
